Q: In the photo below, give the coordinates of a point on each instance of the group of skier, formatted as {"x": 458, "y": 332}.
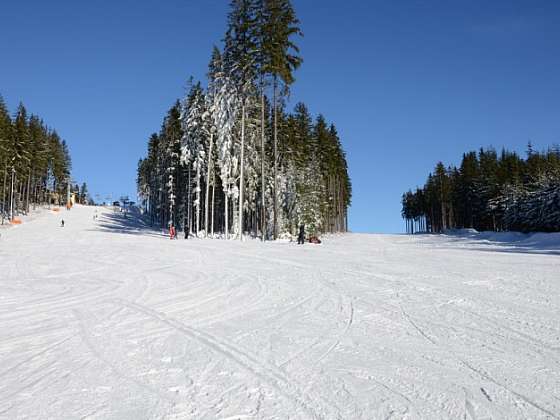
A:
{"x": 300, "y": 241}
{"x": 173, "y": 232}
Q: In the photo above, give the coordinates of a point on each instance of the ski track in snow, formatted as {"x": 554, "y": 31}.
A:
{"x": 108, "y": 319}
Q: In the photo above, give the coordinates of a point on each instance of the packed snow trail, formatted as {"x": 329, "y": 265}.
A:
{"x": 107, "y": 319}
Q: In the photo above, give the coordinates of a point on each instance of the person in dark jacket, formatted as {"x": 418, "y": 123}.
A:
{"x": 301, "y": 236}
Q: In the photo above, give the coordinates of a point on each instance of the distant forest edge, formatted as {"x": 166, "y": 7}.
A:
{"x": 229, "y": 159}
{"x": 35, "y": 164}
{"x": 489, "y": 192}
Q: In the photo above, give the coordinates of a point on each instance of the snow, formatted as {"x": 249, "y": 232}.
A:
{"x": 513, "y": 241}
{"x": 107, "y": 319}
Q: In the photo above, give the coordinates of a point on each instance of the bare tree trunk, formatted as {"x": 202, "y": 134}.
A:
{"x": 241, "y": 178}
{"x": 12, "y": 194}
{"x": 213, "y": 189}
{"x": 198, "y": 177}
{"x": 340, "y": 223}
{"x": 263, "y": 208}
{"x": 208, "y": 186}
{"x": 34, "y": 189}
{"x": 4, "y": 190}
{"x": 189, "y": 218}
{"x": 47, "y": 195}
{"x": 337, "y": 216}
{"x": 226, "y": 215}
{"x": 27, "y": 195}
{"x": 333, "y": 205}
{"x": 275, "y": 226}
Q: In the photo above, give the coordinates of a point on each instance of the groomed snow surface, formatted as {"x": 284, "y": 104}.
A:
{"x": 108, "y": 319}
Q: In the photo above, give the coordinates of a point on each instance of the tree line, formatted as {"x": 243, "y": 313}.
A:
{"x": 229, "y": 159}
{"x": 34, "y": 163}
{"x": 489, "y": 191}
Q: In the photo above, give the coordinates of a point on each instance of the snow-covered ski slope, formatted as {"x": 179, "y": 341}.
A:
{"x": 107, "y": 319}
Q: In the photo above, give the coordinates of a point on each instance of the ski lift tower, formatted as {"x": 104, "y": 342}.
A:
{"x": 125, "y": 200}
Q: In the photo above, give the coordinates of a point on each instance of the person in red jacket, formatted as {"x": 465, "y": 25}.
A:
{"x": 172, "y": 232}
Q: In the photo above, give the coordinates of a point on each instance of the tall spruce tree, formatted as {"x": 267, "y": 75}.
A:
{"x": 279, "y": 58}
{"x": 240, "y": 58}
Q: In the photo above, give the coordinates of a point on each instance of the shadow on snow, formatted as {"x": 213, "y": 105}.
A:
{"x": 509, "y": 242}
{"x": 127, "y": 223}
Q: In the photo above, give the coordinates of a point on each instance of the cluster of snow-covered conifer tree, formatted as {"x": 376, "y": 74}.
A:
{"x": 34, "y": 163}
{"x": 489, "y": 192}
{"x": 229, "y": 159}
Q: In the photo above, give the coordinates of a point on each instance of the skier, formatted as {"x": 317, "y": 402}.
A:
{"x": 172, "y": 234}
{"x": 62, "y": 223}
{"x": 301, "y": 237}
{"x": 186, "y": 231}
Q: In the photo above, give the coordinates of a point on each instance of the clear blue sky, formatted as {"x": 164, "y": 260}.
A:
{"x": 407, "y": 83}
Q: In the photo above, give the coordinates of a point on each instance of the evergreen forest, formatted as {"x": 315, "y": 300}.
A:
{"x": 35, "y": 164}
{"x": 230, "y": 159}
{"x": 489, "y": 191}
